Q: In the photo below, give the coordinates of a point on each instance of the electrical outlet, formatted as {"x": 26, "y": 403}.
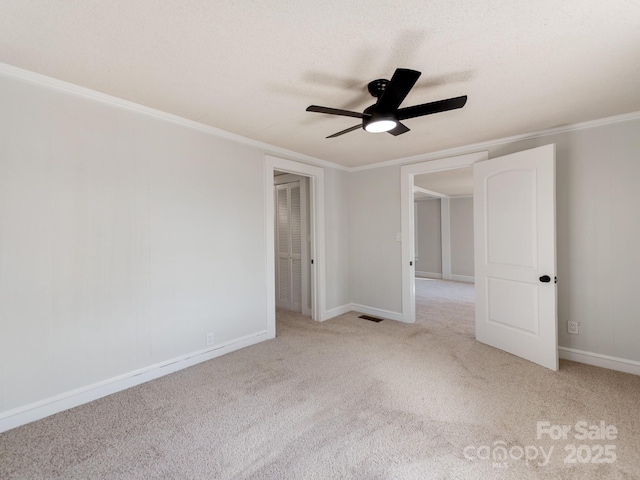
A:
{"x": 209, "y": 338}
{"x": 573, "y": 328}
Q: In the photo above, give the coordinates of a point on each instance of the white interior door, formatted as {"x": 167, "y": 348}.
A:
{"x": 289, "y": 239}
{"x": 515, "y": 254}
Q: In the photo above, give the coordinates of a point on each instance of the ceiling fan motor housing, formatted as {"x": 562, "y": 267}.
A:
{"x": 377, "y": 87}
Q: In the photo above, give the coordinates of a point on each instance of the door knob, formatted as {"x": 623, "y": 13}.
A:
{"x": 545, "y": 279}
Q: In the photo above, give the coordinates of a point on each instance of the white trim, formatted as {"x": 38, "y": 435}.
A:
{"x": 462, "y": 150}
{"x": 355, "y": 307}
{"x": 436, "y": 276}
{"x": 336, "y": 312}
{"x": 287, "y": 178}
{"x": 429, "y": 192}
{"x": 407, "y": 173}
{"x": 377, "y": 312}
{"x": 599, "y": 360}
{"x": 49, "y": 406}
{"x": 317, "y": 252}
{"x": 463, "y": 278}
{"x": 306, "y": 248}
{"x": 66, "y": 87}
{"x": 425, "y": 199}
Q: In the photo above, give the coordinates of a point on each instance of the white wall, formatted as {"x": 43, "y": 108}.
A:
{"x": 337, "y": 247}
{"x": 374, "y": 206}
{"x": 598, "y": 233}
{"x": 428, "y": 242}
{"x": 123, "y": 243}
{"x": 429, "y": 238}
{"x": 461, "y": 236}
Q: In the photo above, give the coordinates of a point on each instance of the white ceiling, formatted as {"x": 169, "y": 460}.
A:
{"x": 252, "y": 67}
{"x": 453, "y": 183}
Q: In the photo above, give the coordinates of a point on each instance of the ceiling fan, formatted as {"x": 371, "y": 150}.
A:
{"x": 385, "y": 115}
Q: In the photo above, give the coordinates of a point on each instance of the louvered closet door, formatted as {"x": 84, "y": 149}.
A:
{"x": 289, "y": 247}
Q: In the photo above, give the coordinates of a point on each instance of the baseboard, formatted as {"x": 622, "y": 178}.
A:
{"x": 335, "y": 312}
{"x": 463, "y": 278}
{"x": 43, "y": 408}
{"x": 354, "y": 307}
{"x": 376, "y": 312}
{"x": 599, "y": 360}
{"x": 428, "y": 275}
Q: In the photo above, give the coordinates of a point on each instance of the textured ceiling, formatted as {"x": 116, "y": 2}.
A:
{"x": 252, "y": 67}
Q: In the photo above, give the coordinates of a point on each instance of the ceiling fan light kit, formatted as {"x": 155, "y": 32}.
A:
{"x": 379, "y": 122}
{"x": 386, "y": 115}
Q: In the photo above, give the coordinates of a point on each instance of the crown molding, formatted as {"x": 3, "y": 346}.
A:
{"x": 16, "y": 73}
{"x": 10, "y": 71}
{"x": 492, "y": 143}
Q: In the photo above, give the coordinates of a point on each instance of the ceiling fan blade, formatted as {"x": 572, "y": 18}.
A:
{"x": 350, "y": 129}
{"x": 399, "y": 86}
{"x": 399, "y": 130}
{"x": 333, "y": 111}
{"x": 433, "y": 107}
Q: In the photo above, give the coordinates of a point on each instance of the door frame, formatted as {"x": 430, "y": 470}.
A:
{"x": 407, "y": 174}
{"x": 317, "y": 244}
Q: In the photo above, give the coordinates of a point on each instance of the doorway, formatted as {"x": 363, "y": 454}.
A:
{"x": 292, "y": 242}
{"x": 407, "y": 193}
{"x": 514, "y": 236}
{"x": 316, "y": 262}
{"x": 444, "y": 248}
{"x": 443, "y": 225}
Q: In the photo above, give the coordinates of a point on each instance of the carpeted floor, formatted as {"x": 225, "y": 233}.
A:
{"x": 349, "y": 398}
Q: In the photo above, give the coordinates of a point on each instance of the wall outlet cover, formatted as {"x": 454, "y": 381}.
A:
{"x": 210, "y": 338}
{"x": 572, "y": 328}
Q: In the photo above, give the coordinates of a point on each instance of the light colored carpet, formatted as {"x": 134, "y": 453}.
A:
{"x": 346, "y": 398}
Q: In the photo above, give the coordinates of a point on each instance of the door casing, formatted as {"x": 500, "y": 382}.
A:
{"x": 317, "y": 250}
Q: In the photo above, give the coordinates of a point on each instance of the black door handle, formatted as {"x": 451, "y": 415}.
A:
{"x": 545, "y": 279}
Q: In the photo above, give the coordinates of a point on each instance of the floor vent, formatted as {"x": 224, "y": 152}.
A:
{"x": 373, "y": 319}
